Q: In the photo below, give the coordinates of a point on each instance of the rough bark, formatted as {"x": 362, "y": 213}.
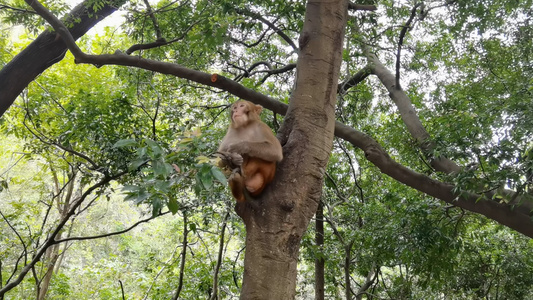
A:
{"x": 276, "y": 222}
{"x": 47, "y": 49}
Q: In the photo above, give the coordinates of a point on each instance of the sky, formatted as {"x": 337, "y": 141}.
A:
{"x": 113, "y": 20}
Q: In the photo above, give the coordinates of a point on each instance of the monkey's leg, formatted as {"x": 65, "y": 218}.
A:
{"x": 255, "y": 183}
{"x": 236, "y": 184}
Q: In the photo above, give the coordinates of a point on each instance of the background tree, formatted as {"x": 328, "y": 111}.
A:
{"x": 456, "y": 130}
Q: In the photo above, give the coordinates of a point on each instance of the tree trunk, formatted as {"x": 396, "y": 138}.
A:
{"x": 52, "y": 258}
{"x": 214, "y": 296}
{"x": 183, "y": 256}
{"x": 276, "y": 222}
{"x": 46, "y": 50}
{"x": 319, "y": 261}
{"x": 347, "y": 272}
{"x": 63, "y": 201}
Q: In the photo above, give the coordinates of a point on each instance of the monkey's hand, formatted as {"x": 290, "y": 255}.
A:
{"x": 230, "y": 160}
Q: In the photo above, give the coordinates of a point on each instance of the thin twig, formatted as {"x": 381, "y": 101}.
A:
{"x": 405, "y": 28}
{"x": 84, "y": 238}
{"x": 17, "y": 234}
{"x": 3, "y": 6}
{"x": 122, "y": 289}
{"x": 234, "y": 264}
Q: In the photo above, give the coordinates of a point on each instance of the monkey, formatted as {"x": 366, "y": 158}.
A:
{"x": 249, "y": 150}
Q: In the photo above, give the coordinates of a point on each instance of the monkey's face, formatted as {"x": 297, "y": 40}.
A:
{"x": 239, "y": 112}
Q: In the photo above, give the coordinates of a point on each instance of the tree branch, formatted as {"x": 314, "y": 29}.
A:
{"x": 158, "y": 43}
{"x": 257, "y": 16}
{"x": 4, "y": 6}
{"x": 122, "y": 289}
{"x": 154, "y": 19}
{"x": 347, "y": 272}
{"x": 161, "y": 41}
{"x": 357, "y": 78}
{"x": 259, "y": 40}
{"x": 370, "y": 279}
{"x": 354, "y": 6}
{"x": 410, "y": 116}
{"x": 41, "y": 137}
{"x": 47, "y": 50}
{"x": 25, "y": 251}
{"x": 57, "y": 25}
{"x": 160, "y": 272}
{"x": 405, "y": 28}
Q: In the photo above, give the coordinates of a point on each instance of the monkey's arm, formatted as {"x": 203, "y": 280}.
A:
{"x": 269, "y": 151}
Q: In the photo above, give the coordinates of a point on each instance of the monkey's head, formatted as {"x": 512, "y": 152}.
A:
{"x": 244, "y": 112}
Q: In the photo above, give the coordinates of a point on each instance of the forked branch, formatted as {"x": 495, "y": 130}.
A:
{"x": 271, "y": 25}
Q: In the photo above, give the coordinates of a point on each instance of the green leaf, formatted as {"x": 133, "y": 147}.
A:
{"x": 173, "y": 205}
{"x": 185, "y": 141}
{"x": 157, "y": 151}
{"x": 141, "y": 152}
{"x": 206, "y": 177}
{"x": 124, "y": 143}
{"x": 161, "y": 168}
{"x": 219, "y": 175}
{"x": 162, "y": 186}
{"x": 138, "y": 197}
{"x": 207, "y": 180}
{"x": 135, "y": 164}
{"x": 192, "y": 227}
{"x": 3, "y": 185}
{"x": 157, "y": 205}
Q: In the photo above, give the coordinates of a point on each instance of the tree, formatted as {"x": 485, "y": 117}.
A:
{"x": 482, "y": 167}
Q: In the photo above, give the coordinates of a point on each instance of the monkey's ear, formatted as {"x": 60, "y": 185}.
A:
{"x": 258, "y": 109}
